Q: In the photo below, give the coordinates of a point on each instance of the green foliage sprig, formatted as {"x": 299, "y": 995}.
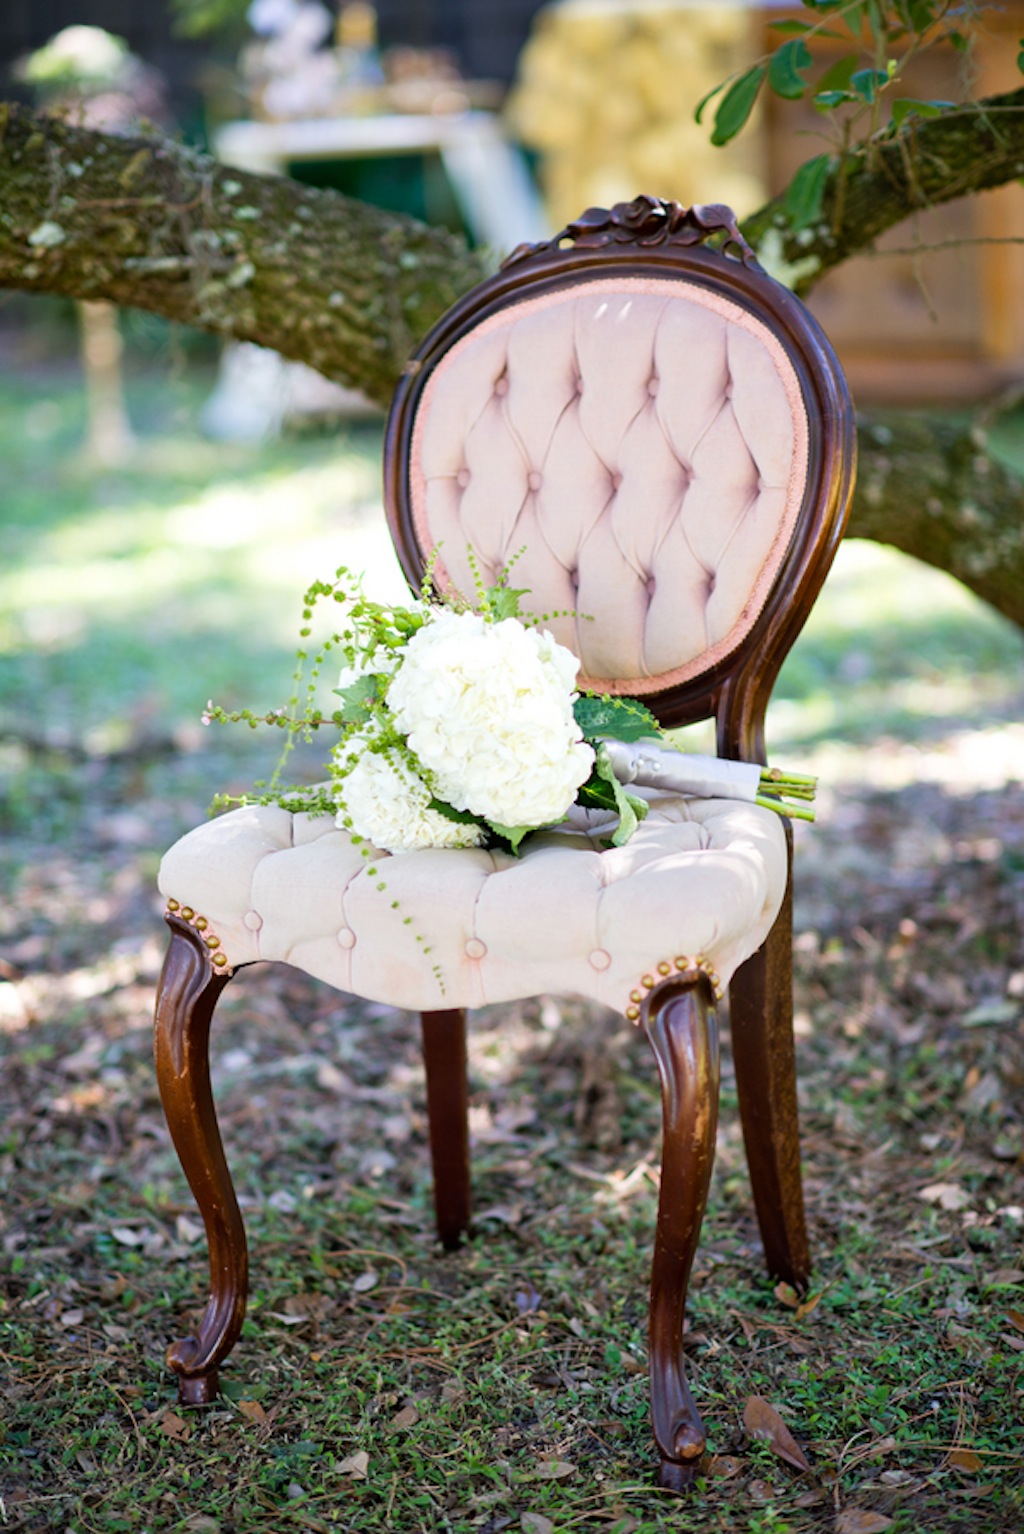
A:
{"x": 856, "y": 93}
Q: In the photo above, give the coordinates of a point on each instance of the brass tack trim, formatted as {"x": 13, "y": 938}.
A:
{"x": 664, "y": 969}
{"x": 218, "y": 958}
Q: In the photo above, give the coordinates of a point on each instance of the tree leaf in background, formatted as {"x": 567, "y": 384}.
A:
{"x": 806, "y": 191}
{"x": 785, "y": 72}
{"x": 737, "y": 104}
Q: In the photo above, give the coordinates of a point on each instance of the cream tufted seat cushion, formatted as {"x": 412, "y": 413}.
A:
{"x": 701, "y": 881}
{"x": 642, "y": 445}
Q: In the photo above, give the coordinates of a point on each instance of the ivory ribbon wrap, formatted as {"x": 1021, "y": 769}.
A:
{"x": 711, "y": 777}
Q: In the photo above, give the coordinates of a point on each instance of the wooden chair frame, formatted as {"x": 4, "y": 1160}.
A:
{"x": 677, "y": 1008}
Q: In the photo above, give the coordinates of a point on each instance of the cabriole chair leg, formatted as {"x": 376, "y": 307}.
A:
{"x": 444, "y": 1057}
{"x": 188, "y": 992}
{"x": 761, "y": 1013}
{"x": 680, "y": 1022}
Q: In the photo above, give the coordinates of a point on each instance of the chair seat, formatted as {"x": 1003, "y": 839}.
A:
{"x": 699, "y": 884}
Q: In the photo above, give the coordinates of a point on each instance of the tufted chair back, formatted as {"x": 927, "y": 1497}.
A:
{"x": 630, "y": 418}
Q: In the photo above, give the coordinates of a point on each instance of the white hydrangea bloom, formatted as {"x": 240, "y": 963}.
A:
{"x": 389, "y": 804}
{"x": 487, "y": 710}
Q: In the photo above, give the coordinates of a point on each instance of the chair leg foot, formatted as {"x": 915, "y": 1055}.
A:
{"x": 197, "y": 1389}
{"x": 680, "y": 1023}
{"x": 673, "y": 1476}
{"x": 188, "y": 992}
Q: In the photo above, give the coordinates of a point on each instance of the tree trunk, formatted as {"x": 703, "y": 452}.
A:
{"x": 350, "y": 289}
{"x": 931, "y": 488}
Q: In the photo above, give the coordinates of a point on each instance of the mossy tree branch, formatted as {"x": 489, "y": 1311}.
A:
{"x": 154, "y": 225}
{"x": 350, "y": 289}
{"x": 871, "y": 189}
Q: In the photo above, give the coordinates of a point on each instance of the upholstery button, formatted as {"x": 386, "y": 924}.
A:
{"x": 600, "y": 959}
{"x": 652, "y": 385}
{"x": 462, "y": 478}
{"x": 253, "y": 920}
{"x": 475, "y": 949}
{"x": 534, "y": 480}
{"x": 501, "y": 385}
{"x": 346, "y": 938}
{"x": 616, "y": 481}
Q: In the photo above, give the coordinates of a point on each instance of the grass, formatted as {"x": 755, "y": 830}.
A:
{"x": 380, "y": 1385}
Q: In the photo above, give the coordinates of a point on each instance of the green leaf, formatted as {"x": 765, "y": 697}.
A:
{"x": 622, "y": 718}
{"x": 793, "y": 28}
{"x": 503, "y": 601}
{"x": 737, "y": 104}
{"x": 837, "y": 76}
{"x": 806, "y": 191}
{"x": 511, "y": 834}
{"x": 824, "y": 101}
{"x": 785, "y": 70}
{"x": 357, "y": 699}
{"x": 921, "y": 14}
{"x": 868, "y": 82}
{"x": 460, "y": 817}
{"x": 1020, "y": 56}
{"x": 630, "y": 807}
{"x": 908, "y": 107}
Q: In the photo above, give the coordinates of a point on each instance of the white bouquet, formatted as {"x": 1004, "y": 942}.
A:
{"x": 462, "y": 727}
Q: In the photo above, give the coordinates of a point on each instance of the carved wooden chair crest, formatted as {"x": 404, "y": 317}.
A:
{"x": 666, "y": 434}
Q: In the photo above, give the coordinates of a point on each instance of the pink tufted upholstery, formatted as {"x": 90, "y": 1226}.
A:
{"x": 700, "y": 878}
{"x": 644, "y": 442}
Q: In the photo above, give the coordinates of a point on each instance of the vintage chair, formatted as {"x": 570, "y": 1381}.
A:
{"x": 665, "y": 432}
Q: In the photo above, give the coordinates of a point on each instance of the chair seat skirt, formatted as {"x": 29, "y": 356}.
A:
{"x": 699, "y": 884}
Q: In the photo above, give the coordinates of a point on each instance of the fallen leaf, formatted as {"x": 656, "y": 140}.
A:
{"x": 188, "y": 1230}
{"x": 965, "y": 1459}
{"x": 860, "y": 1520}
{"x": 554, "y": 1470}
{"x": 762, "y": 1421}
{"x": 126, "y": 1237}
{"x": 366, "y": 1281}
{"x": 787, "y": 1295}
{"x": 726, "y": 1466}
{"x": 948, "y": 1195}
{"x": 1004, "y": 1277}
{"x": 253, "y": 1410}
{"x": 533, "y": 1523}
{"x": 1016, "y": 1343}
{"x": 72, "y": 1317}
{"x": 173, "y": 1426}
{"x": 356, "y": 1465}
{"x": 1016, "y": 1318}
{"x": 403, "y": 1420}
{"x": 811, "y": 1303}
